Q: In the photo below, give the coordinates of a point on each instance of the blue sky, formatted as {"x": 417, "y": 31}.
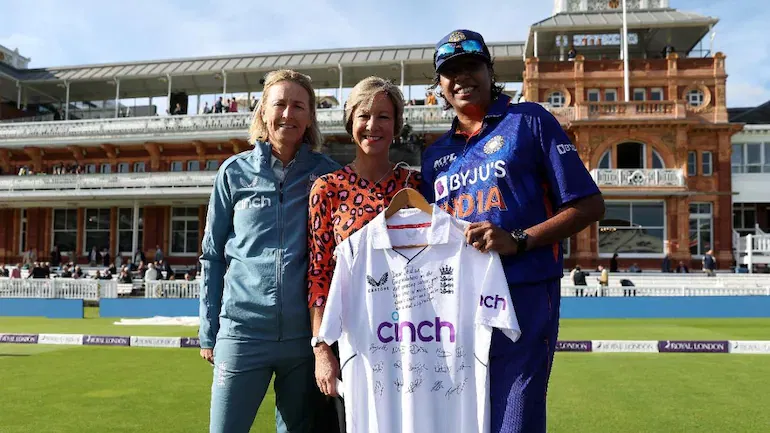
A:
{"x": 57, "y": 33}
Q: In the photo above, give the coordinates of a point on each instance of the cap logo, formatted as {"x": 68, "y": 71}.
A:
{"x": 456, "y": 37}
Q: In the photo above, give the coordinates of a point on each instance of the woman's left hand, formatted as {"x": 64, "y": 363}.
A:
{"x": 485, "y": 236}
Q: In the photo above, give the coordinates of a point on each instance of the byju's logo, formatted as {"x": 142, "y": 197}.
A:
{"x": 390, "y": 331}
{"x": 492, "y": 302}
{"x": 253, "y": 202}
{"x": 564, "y": 148}
{"x": 441, "y": 189}
{"x": 445, "y": 184}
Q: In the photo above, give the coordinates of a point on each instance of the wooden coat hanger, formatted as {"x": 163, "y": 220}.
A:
{"x": 402, "y": 199}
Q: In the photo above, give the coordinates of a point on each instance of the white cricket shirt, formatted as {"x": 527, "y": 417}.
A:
{"x": 414, "y": 325}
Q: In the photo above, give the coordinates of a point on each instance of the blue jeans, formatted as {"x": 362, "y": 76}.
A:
{"x": 519, "y": 372}
{"x": 242, "y": 373}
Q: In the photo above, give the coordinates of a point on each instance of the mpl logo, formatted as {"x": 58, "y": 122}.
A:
{"x": 394, "y": 331}
{"x": 492, "y": 302}
{"x": 253, "y": 202}
{"x": 445, "y": 184}
{"x": 444, "y": 161}
{"x": 564, "y": 148}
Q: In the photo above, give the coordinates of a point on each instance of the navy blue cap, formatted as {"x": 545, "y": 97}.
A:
{"x": 459, "y": 43}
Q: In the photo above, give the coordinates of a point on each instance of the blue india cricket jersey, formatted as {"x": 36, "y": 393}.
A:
{"x": 515, "y": 172}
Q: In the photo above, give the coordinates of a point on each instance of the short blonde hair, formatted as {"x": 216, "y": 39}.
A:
{"x": 363, "y": 94}
{"x": 258, "y": 128}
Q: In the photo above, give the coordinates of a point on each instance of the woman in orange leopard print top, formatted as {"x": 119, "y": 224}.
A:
{"x": 345, "y": 200}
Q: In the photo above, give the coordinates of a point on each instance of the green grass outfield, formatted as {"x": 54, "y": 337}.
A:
{"x": 129, "y": 389}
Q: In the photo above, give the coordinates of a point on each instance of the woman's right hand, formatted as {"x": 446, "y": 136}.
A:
{"x": 327, "y": 369}
{"x": 208, "y": 355}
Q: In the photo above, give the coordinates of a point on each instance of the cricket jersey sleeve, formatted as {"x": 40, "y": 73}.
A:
{"x": 428, "y": 177}
{"x": 495, "y": 308}
{"x": 219, "y": 225}
{"x": 321, "y": 244}
{"x": 333, "y": 320}
{"x": 567, "y": 176}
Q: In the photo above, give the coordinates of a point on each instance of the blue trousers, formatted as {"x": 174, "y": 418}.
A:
{"x": 242, "y": 373}
{"x": 519, "y": 371}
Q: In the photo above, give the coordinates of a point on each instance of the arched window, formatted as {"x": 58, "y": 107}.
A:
{"x": 606, "y": 160}
{"x": 556, "y": 99}
{"x": 657, "y": 161}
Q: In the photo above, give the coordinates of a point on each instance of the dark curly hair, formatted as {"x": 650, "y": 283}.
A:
{"x": 497, "y": 88}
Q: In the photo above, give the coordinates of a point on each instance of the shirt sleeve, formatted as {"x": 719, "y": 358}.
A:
{"x": 219, "y": 226}
{"x": 426, "y": 185}
{"x": 567, "y": 175}
{"x": 495, "y": 308}
{"x": 321, "y": 244}
{"x": 333, "y": 320}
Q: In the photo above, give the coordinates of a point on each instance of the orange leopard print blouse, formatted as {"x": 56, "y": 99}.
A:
{"x": 341, "y": 203}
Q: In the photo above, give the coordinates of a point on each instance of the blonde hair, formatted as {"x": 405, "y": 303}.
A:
{"x": 258, "y": 129}
{"x": 363, "y": 95}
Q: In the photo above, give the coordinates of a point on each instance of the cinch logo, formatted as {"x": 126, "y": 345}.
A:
{"x": 253, "y": 202}
{"x": 387, "y": 331}
{"x": 443, "y": 161}
{"x": 491, "y": 302}
{"x": 564, "y": 148}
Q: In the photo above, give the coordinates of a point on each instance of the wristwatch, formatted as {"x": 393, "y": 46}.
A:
{"x": 317, "y": 341}
{"x": 520, "y": 237}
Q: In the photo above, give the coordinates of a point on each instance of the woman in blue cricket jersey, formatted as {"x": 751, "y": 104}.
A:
{"x": 253, "y": 311}
{"x": 512, "y": 172}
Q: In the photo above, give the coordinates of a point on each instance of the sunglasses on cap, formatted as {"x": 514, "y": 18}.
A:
{"x": 451, "y": 48}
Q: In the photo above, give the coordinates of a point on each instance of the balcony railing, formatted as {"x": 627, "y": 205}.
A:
{"x": 118, "y": 181}
{"x": 631, "y": 110}
{"x": 226, "y": 125}
{"x": 639, "y": 177}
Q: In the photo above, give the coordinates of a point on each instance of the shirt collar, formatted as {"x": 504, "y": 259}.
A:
{"x": 438, "y": 232}
{"x": 498, "y": 109}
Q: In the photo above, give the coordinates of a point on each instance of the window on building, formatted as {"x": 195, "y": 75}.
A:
{"x": 23, "y": 232}
{"x": 639, "y": 94}
{"x": 556, "y": 99}
{"x": 138, "y": 167}
{"x": 692, "y": 164}
{"x": 126, "y": 230}
{"x": 90, "y": 168}
{"x": 695, "y": 97}
{"x": 123, "y": 167}
{"x": 176, "y": 166}
{"x": 657, "y": 161}
{"x": 632, "y": 228}
{"x": 736, "y": 159}
{"x": 184, "y": 230}
{"x": 193, "y": 166}
{"x": 610, "y": 95}
{"x": 701, "y": 228}
{"x": 105, "y": 169}
{"x": 593, "y": 95}
{"x": 744, "y": 218}
{"x": 656, "y": 94}
{"x": 707, "y": 166}
{"x": 97, "y": 229}
{"x": 605, "y": 161}
{"x": 212, "y": 165}
{"x": 65, "y": 229}
{"x": 753, "y": 157}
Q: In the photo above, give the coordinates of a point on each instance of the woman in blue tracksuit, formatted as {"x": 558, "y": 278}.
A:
{"x": 253, "y": 299}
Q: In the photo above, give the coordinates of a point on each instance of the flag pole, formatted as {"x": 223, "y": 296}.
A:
{"x": 626, "y": 83}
